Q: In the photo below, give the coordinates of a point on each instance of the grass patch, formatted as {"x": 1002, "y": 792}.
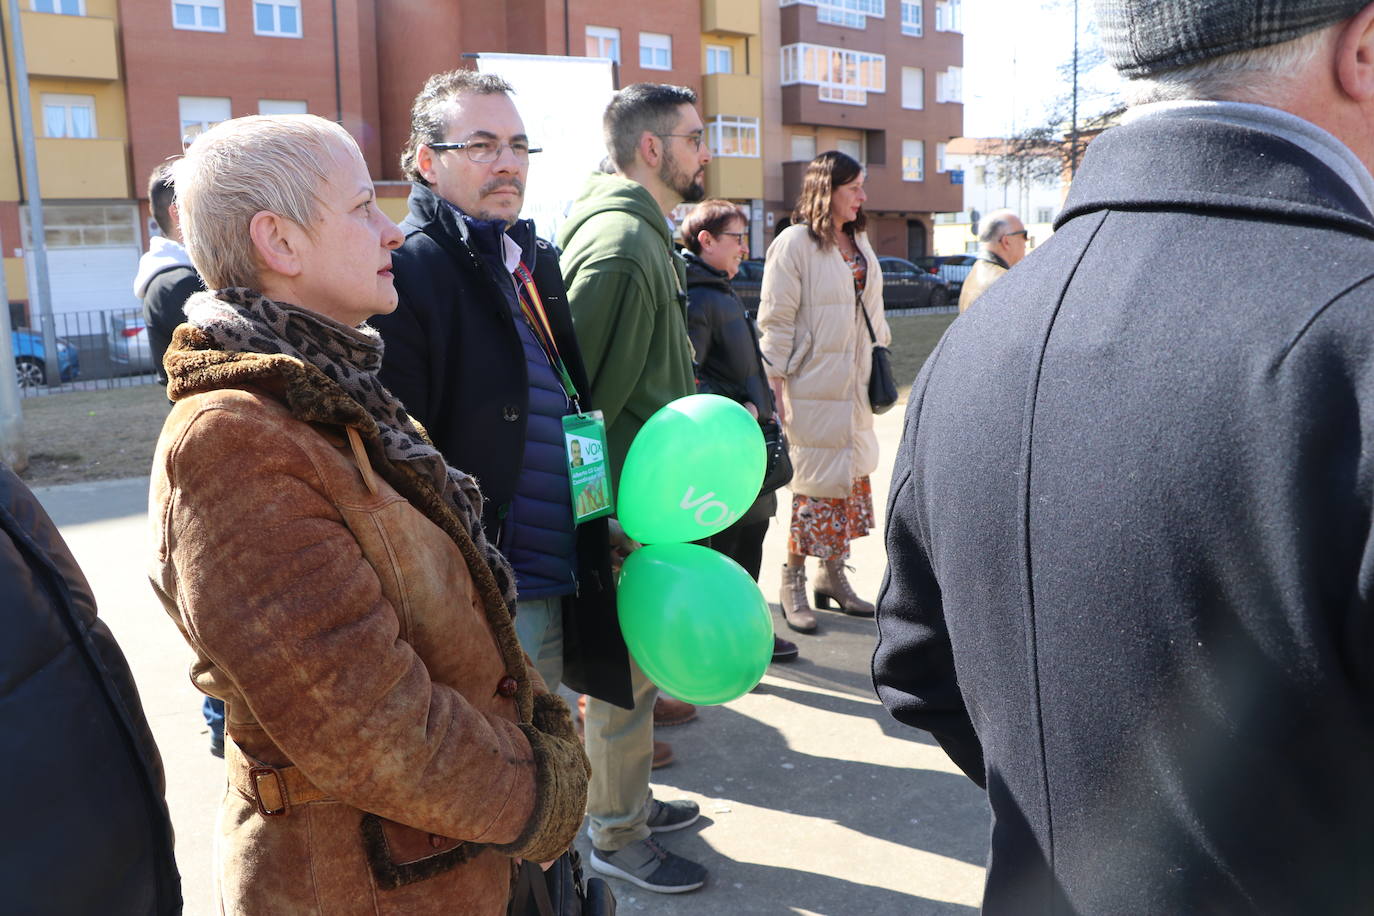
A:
{"x": 913, "y": 338}
{"x": 75, "y": 436}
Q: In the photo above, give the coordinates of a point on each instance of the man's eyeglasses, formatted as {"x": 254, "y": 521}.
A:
{"x": 694, "y": 139}
{"x": 488, "y": 150}
{"x": 1008, "y": 235}
{"x": 741, "y": 237}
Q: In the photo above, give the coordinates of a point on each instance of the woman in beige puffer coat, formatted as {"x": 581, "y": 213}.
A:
{"x": 818, "y": 352}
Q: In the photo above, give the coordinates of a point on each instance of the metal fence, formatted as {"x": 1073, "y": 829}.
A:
{"x": 103, "y": 348}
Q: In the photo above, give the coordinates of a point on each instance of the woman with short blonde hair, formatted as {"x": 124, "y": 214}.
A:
{"x": 388, "y": 749}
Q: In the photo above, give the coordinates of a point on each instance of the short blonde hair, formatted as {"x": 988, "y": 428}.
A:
{"x": 241, "y": 167}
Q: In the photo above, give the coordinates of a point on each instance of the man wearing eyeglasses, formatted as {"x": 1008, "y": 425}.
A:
{"x": 1004, "y": 245}
{"x": 626, "y": 285}
{"x": 481, "y": 351}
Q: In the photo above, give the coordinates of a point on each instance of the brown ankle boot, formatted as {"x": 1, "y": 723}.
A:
{"x": 833, "y": 586}
{"x": 795, "y": 610}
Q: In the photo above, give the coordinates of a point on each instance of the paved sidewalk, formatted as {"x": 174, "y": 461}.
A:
{"x": 814, "y": 801}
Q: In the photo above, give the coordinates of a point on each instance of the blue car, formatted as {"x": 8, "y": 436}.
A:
{"x": 31, "y": 364}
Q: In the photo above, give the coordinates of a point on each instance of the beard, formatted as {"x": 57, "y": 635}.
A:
{"x": 690, "y": 187}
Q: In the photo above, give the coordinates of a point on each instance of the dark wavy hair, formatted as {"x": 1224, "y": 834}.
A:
{"x": 826, "y": 172}
{"x": 712, "y": 215}
{"x": 429, "y": 113}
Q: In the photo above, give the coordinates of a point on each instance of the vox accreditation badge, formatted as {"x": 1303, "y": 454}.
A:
{"x": 589, "y": 471}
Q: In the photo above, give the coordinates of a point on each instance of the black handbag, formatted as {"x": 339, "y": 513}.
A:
{"x": 778, "y": 471}
{"x": 560, "y": 891}
{"x": 882, "y": 387}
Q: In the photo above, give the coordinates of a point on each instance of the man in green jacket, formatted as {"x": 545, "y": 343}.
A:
{"x": 627, "y": 290}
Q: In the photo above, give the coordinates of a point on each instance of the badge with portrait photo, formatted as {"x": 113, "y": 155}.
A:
{"x": 589, "y": 468}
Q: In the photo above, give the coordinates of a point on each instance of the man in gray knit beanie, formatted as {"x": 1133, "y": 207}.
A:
{"x": 1131, "y": 529}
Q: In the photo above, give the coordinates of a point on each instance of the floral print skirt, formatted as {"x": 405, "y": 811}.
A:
{"x": 822, "y": 527}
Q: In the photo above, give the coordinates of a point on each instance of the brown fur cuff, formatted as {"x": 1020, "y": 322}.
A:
{"x": 561, "y": 773}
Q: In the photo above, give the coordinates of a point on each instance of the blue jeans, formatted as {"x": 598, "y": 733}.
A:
{"x": 539, "y": 627}
{"x": 213, "y": 710}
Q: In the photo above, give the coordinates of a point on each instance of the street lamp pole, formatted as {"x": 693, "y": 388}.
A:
{"x": 37, "y": 235}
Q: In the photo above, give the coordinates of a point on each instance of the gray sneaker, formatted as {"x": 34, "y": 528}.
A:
{"x": 651, "y": 867}
{"x": 673, "y": 815}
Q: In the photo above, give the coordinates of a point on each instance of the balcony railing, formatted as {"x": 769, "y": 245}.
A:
{"x": 77, "y": 169}
{"x": 81, "y": 47}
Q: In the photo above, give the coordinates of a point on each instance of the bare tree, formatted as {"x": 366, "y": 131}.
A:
{"x": 1052, "y": 150}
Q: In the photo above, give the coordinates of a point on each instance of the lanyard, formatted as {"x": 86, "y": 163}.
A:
{"x": 533, "y": 309}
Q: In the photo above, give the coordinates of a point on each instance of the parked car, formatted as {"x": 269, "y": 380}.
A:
{"x": 906, "y": 286}
{"x": 952, "y": 268}
{"x": 130, "y": 351}
{"x": 748, "y": 282}
{"x": 31, "y": 362}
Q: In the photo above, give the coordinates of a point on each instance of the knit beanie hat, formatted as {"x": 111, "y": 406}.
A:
{"x": 1143, "y": 37}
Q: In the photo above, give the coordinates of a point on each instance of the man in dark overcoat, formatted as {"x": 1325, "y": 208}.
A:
{"x": 84, "y": 800}
{"x": 1131, "y": 559}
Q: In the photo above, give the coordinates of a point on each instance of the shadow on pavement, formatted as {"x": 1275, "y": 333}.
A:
{"x": 818, "y": 676}
{"x": 753, "y": 889}
{"x": 99, "y": 501}
{"x": 741, "y": 758}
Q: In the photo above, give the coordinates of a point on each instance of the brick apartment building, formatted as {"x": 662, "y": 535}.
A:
{"x": 118, "y": 86}
{"x": 880, "y": 80}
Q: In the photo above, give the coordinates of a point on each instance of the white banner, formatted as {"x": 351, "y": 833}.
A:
{"x": 561, "y": 100}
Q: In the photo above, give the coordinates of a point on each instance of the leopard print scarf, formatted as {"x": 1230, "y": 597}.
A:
{"x": 245, "y": 321}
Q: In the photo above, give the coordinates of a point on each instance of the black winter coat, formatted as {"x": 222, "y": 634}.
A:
{"x": 164, "y": 302}
{"x": 724, "y": 339}
{"x": 725, "y": 345}
{"x": 87, "y": 829}
{"x": 1131, "y": 539}
{"x": 455, "y": 359}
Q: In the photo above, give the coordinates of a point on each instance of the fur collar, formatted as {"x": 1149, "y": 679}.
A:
{"x": 195, "y": 366}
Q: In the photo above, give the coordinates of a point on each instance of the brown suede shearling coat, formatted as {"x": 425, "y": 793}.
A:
{"x": 362, "y": 649}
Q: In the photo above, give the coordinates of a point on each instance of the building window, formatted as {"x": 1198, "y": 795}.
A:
{"x": 949, "y": 16}
{"x": 803, "y": 147}
{"x": 68, "y": 115}
{"x": 846, "y": 77}
{"x": 1044, "y": 214}
{"x": 980, "y": 175}
{"x": 281, "y": 18}
{"x": 913, "y": 160}
{"x": 849, "y": 13}
{"x": 949, "y": 85}
{"x": 947, "y": 218}
{"x": 911, "y": 18}
{"x": 84, "y": 225}
{"x": 199, "y": 114}
{"x": 734, "y": 137}
{"x": 720, "y": 59}
{"x": 655, "y": 51}
{"x": 854, "y": 149}
{"x": 940, "y": 152}
{"x": 603, "y": 42}
{"x": 199, "y": 15}
{"x": 281, "y": 106}
{"x": 62, "y": 7}
{"x": 913, "y": 88}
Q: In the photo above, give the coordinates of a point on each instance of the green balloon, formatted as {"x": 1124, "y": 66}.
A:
{"x": 695, "y": 621}
{"x": 692, "y": 470}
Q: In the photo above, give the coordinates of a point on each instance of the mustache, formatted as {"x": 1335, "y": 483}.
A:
{"x": 497, "y": 184}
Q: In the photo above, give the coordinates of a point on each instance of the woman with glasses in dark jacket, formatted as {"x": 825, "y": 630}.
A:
{"x": 727, "y": 359}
